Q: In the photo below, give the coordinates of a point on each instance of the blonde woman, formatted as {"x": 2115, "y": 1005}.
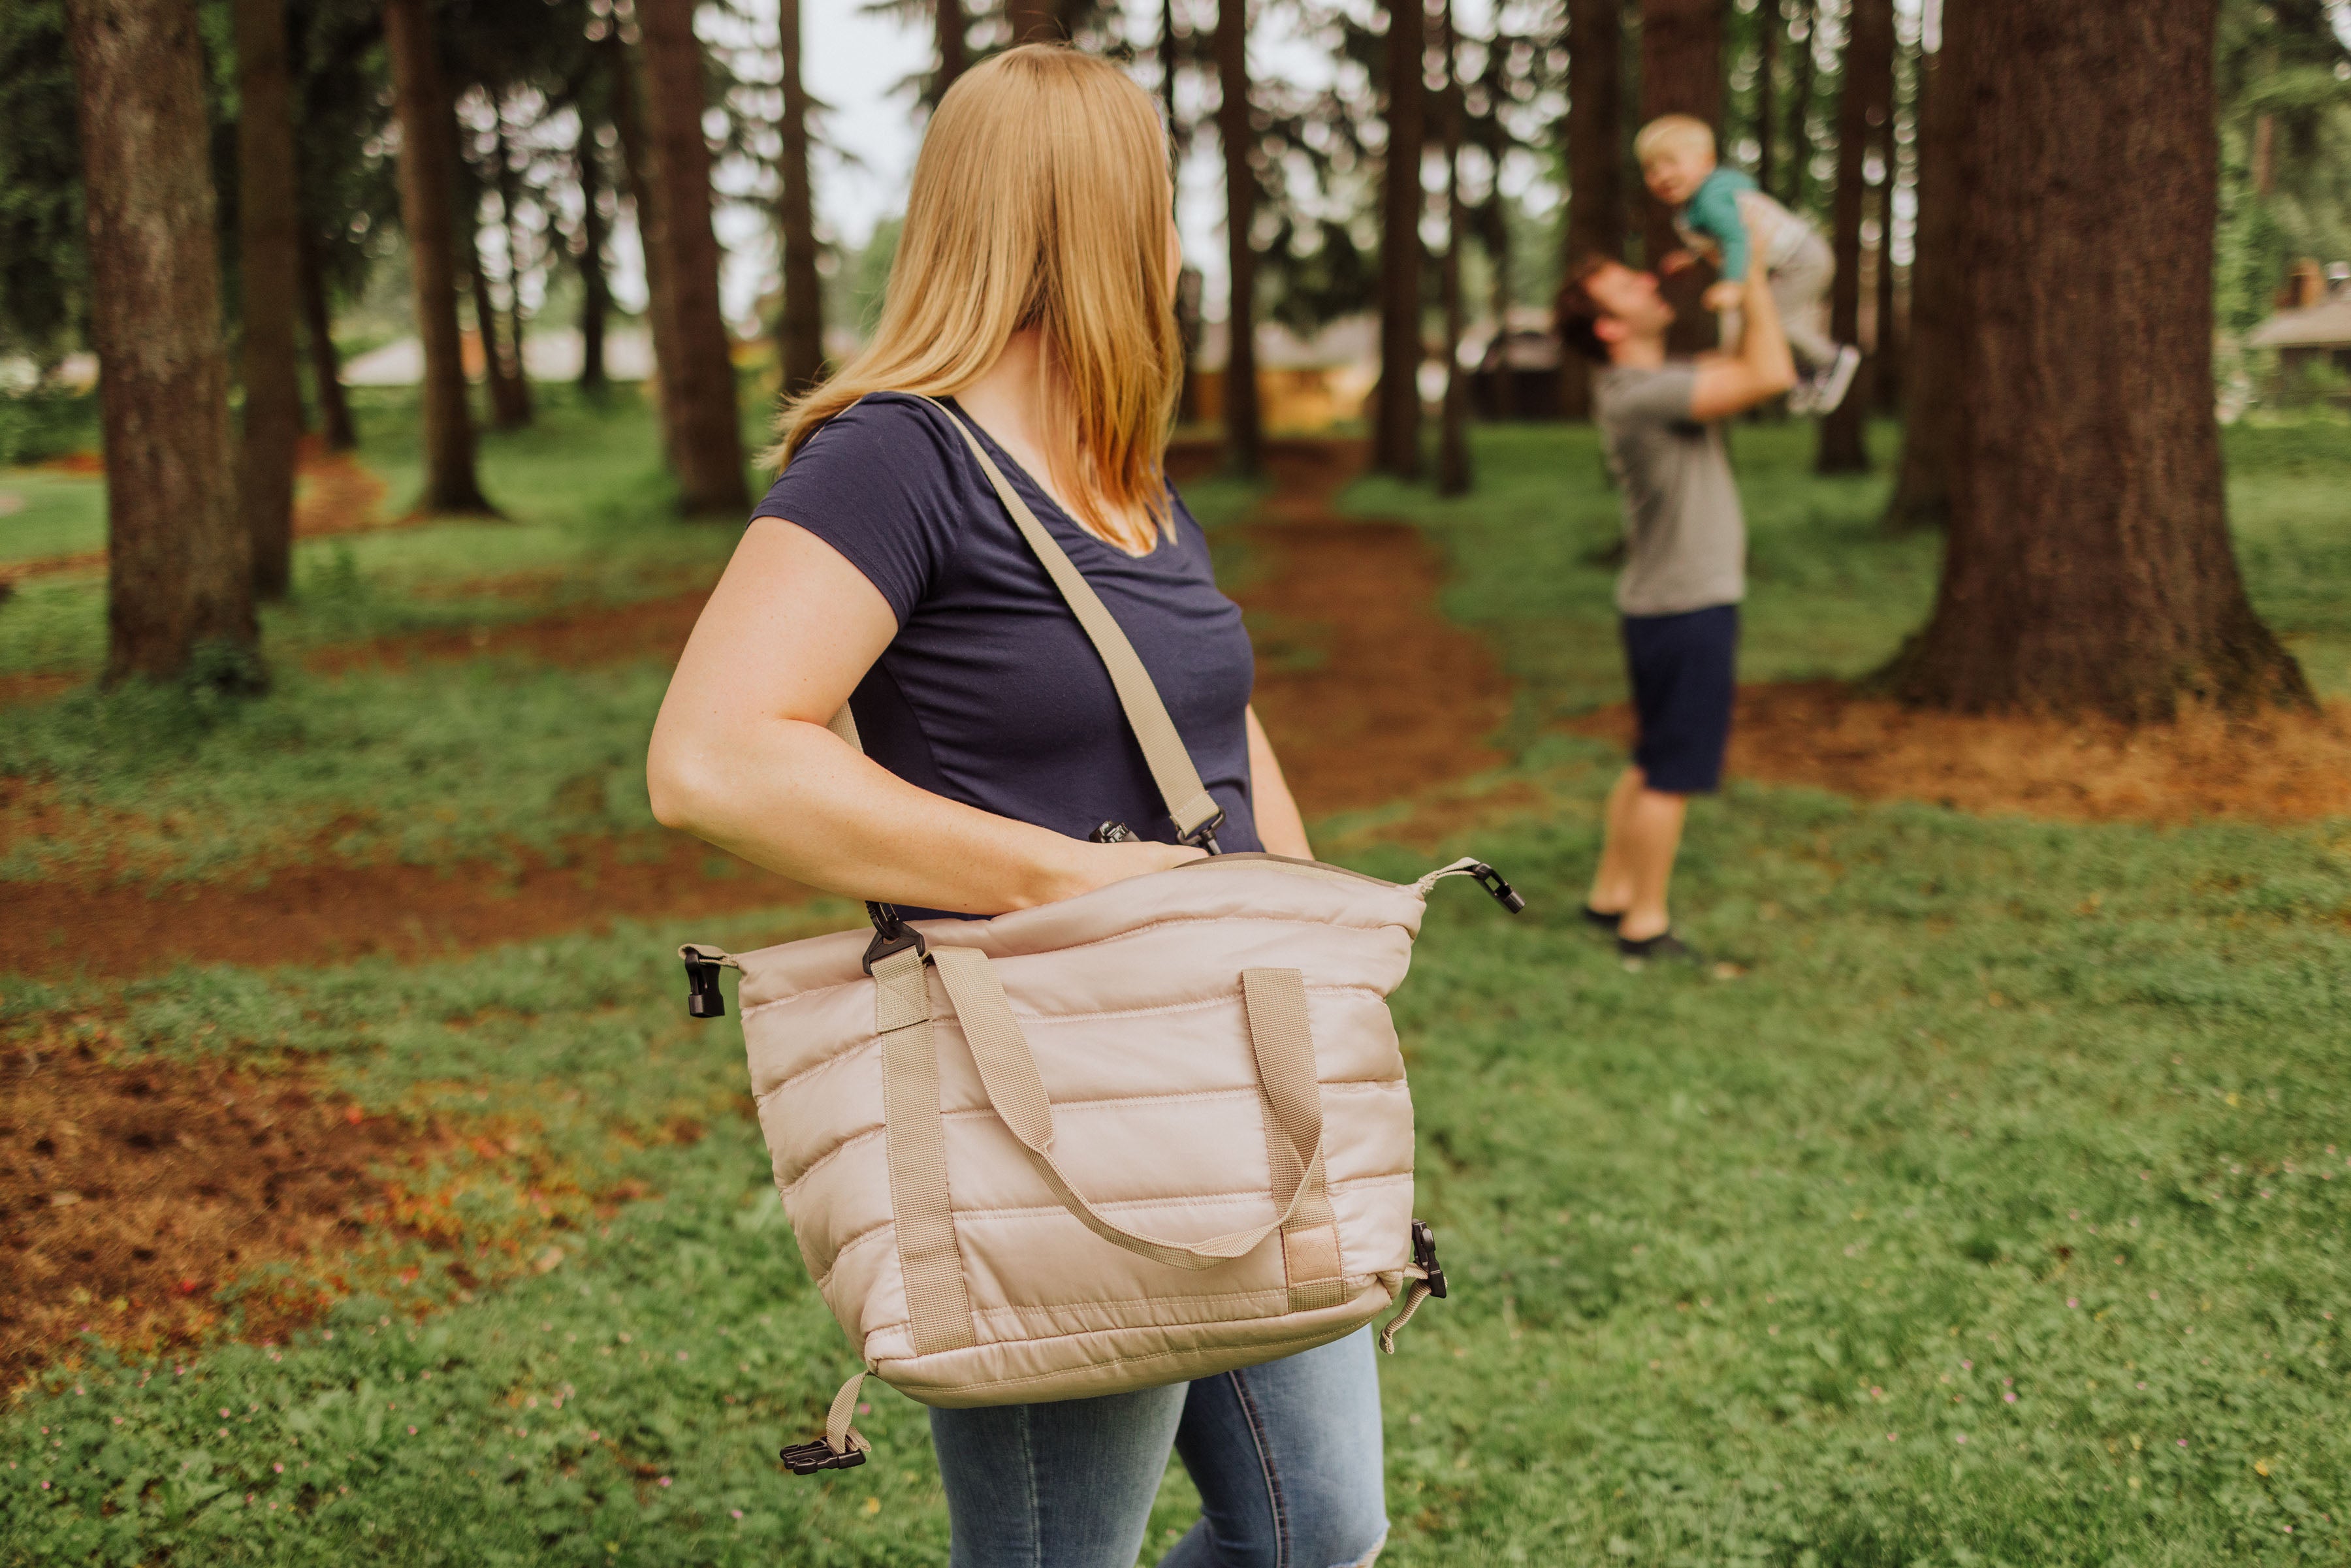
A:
{"x": 1032, "y": 293}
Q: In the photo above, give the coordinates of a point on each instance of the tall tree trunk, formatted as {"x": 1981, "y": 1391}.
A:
{"x": 709, "y": 452}
{"x": 428, "y": 209}
{"x": 1681, "y": 73}
{"x": 1797, "y": 183}
{"x": 1034, "y": 22}
{"x": 595, "y": 282}
{"x": 509, "y": 407}
{"x": 636, "y": 162}
{"x": 2089, "y": 564}
{"x": 1452, "y": 475}
{"x": 1595, "y": 160}
{"x": 1244, "y": 428}
{"x": 1395, "y": 428}
{"x": 326, "y": 365}
{"x": 953, "y": 53}
{"x": 1886, "y": 347}
{"x": 179, "y": 565}
{"x": 1922, "y": 488}
{"x": 509, "y": 190}
{"x": 1769, "y": 26}
{"x": 269, "y": 229}
{"x": 1187, "y": 278}
{"x": 799, "y": 329}
{"x": 1491, "y": 221}
{"x": 1868, "y": 51}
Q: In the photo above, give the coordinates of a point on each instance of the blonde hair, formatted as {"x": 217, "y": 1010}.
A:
{"x": 1041, "y": 198}
{"x": 1672, "y": 130}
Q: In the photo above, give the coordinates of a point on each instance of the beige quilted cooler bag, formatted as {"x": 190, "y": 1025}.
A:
{"x": 1140, "y": 1136}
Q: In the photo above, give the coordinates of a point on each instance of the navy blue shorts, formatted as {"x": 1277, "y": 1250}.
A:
{"x": 1685, "y": 677}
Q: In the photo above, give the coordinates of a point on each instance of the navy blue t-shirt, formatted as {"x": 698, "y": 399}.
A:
{"x": 990, "y": 693}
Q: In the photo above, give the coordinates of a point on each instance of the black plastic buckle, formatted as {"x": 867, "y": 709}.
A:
{"x": 1504, "y": 894}
{"x": 1204, "y": 837}
{"x": 890, "y": 935}
{"x": 704, "y": 999}
{"x": 1424, "y": 1256}
{"x": 807, "y": 1459}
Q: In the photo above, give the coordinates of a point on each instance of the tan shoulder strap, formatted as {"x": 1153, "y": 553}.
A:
{"x": 1187, "y": 801}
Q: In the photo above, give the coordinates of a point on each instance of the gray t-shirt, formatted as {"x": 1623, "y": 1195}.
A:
{"x": 1686, "y": 539}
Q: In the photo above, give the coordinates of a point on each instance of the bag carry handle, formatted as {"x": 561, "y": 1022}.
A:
{"x": 1278, "y": 1036}
{"x": 1194, "y": 810}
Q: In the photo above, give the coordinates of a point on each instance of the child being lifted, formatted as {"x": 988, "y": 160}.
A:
{"x": 1722, "y": 211}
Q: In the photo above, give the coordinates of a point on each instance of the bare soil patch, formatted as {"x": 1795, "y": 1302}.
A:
{"x": 333, "y": 912}
{"x": 571, "y": 639}
{"x": 2276, "y": 767}
{"x": 131, "y": 1193}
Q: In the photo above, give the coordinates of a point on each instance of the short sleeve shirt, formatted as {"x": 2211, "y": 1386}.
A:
{"x": 990, "y": 693}
{"x": 1684, "y": 536}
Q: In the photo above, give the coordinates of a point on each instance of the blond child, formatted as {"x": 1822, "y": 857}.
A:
{"x": 1722, "y": 211}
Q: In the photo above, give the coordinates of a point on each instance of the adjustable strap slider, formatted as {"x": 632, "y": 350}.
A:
{"x": 1504, "y": 895}
{"x": 704, "y": 999}
{"x": 807, "y": 1459}
{"x": 1204, "y": 837}
{"x": 1423, "y": 1257}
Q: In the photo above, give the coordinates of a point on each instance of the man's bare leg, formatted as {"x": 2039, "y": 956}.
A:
{"x": 1636, "y": 861}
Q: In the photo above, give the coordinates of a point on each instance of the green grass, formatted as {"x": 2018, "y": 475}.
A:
{"x": 1712, "y": 1241}
{"x": 1830, "y": 594}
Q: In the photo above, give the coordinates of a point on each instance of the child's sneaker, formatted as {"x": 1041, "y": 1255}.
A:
{"x": 1827, "y": 388}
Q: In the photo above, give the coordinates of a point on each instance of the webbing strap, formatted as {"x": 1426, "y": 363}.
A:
{"x": 1285, "y": 1064}
{"x": 937, "y": 1303}
{"x": 1171, "y": 767}
{"x": 1276, "y": 1002}
{"x": 839, "y": 1435}
{"x": 1415, "y": 1293}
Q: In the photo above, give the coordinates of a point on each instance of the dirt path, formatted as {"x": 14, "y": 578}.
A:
{"x": 2274, "y": 768}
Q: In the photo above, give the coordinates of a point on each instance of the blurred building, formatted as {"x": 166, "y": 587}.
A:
{"x": 2311, "y": 330}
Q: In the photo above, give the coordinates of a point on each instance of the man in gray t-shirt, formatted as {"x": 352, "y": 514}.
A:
{"x": 1685, "y": 567}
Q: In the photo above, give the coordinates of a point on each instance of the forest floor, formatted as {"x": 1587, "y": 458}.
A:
{"x": 366, "y": 1196}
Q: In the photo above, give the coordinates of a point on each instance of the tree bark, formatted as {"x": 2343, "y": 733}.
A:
{"x": 1244, "y": 425}
{"x": 1595, "y": 160}
{"x": 269, "y": 228}
{"x": 1681, "y": 73}
{"x": 709, "y": 451}
{"x": 953, "y": 54}
{"x": 510, "y": 210}
{"x": 595, "y": 282}
{"x": 1395, "y": 428}
{"x": 2089, "y": 565}
{"x": 1861, "y": 107}
{"x": 661, "y": 318}
{"x": 1452, "y": 469}
{"x": 179, "y": 564}
{"x": 326, "y": 365}
{"x": 1922, "y": 492}
{"x": 1768, "y": 26}
{"x": 1886, "y": 347}
{"x": 428, "y": 166}
{"x": 1033, "y": 22}
{"x": 1797, "y": 183}
{"x": 800, "y": 327}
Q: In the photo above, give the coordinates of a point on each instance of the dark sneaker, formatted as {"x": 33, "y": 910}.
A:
{"x": 1831, "y": 385}
{"x": 1602, "y": 918}
{"x": 1665, "y": 945}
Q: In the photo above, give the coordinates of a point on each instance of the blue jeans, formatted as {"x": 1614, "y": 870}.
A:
{"x": 1286, "y": 1455}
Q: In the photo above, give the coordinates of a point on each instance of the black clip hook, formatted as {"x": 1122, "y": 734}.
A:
{"x": 807, "y": 1459}
{"x": 1504, "y": 894}
{"x": 704, "y": 999}
{"x": 890, "y": 935}
{"x": 1204, "y": 837}
{"x": 1424, "y": 1256}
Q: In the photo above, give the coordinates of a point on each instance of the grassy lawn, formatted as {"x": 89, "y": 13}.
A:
{"x": 1990, "y": 1216}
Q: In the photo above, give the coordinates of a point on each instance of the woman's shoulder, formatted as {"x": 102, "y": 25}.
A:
{"x": 893, "y": 426}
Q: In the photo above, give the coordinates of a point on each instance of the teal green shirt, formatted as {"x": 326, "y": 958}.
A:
{"x": 1713, "y": 212}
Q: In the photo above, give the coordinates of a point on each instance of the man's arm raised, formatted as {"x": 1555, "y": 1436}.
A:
{"x": 1761, "y": 370}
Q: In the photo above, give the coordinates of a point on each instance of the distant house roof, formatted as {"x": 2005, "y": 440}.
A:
{"x": 2325, "y": 325}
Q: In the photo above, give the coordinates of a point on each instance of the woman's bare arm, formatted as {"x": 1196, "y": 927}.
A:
{"x": 1278, "y": 826}
{"x": 741, "y": 757}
